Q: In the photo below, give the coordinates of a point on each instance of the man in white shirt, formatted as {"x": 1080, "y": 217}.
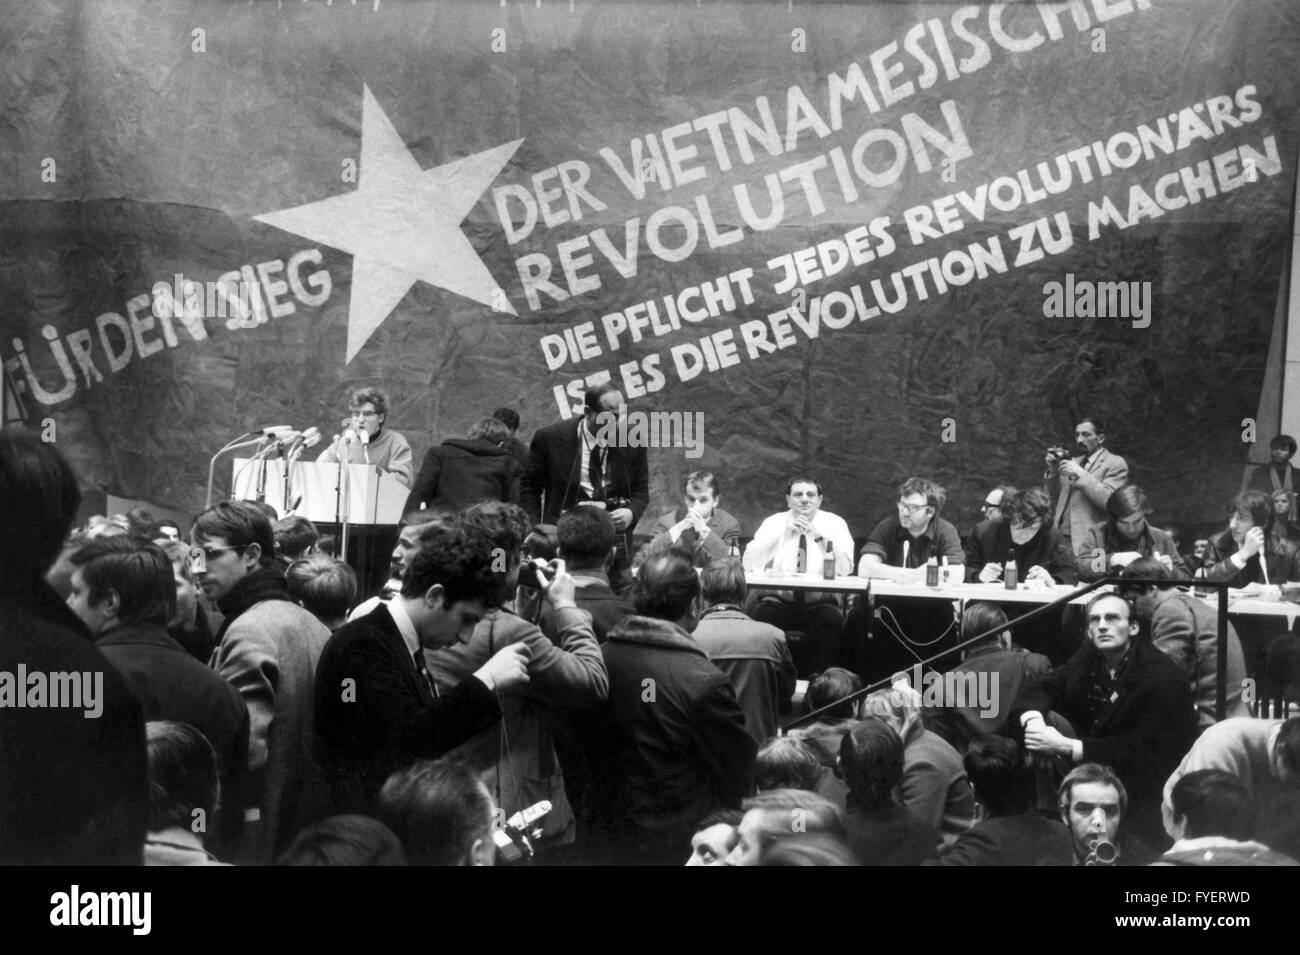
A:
{"x": 799, "y": 540}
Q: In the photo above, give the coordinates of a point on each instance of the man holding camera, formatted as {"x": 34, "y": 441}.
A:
{"x": 1087, "y": 477}
{"x": 571, "y": 465}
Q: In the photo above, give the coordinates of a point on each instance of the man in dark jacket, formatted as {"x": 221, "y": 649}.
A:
{"x": 73, "y": 790}
{"x": 677, "y": 746}
{"x": 122, "y": 590}
{"x": 586, "y": 542}
{"x": 463, "y": 471}
{"x": 377, "y": 708}
{"x": 1007, "y": 832}
{"x": 1129, "y": 703}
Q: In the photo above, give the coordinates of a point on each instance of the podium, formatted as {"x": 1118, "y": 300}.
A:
{"x": 374, "y": 496}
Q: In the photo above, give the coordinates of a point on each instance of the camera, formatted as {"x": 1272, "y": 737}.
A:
{"x": 614, "y": 503}
{"x": 514, "y": 840}
{"x": 535, "y": 574}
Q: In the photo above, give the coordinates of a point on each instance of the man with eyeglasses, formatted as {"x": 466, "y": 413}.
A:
{"x": 387, "y": 450}
{"x": 267, "y": 648}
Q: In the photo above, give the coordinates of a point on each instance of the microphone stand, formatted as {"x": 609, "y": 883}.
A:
{"x": 243, "y": 441}
{"x": 344, "y": 498}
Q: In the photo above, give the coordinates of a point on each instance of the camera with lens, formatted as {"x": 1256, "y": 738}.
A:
{"x": 514, "y": 839}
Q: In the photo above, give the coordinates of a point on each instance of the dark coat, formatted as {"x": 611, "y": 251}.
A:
{"x": 464, "y": 471}
{"x": 389, "y": 719}
{"x": 1142, "y": 735}
{"x": 1281, "y": 559}
{"x": 595, "y": 596}
{"x": 550, "y": 485}
{"x": 73, "y": 790}
{"x": 1012, "y": 840}
{"x": 677, "y": 745}
{"x": 171, "y": 685}
{"x": 893, "y": 836}
{"x": 990, "y": 543}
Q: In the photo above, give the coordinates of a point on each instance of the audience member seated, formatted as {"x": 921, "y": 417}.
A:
{"x": 267, "y": 649}
{"x": 1007, "y": 832}
{"x": 715, "y": 837}
{"x": 700, "y": 525}
{"x": 1094, "y": 806}
{"x": 586, "y": 544}
{"x": 192, "y": 626}
{"x": 1187, "y": 631}
{"x": 754, "y": 655}
{"x": 73, "y": 790}
{"x": 377, "y": 709}
{"x": 441, "y": 812}
{"x": 184, "y": 794}
{"x": 1283, "y": 526}
{"x": 665, "y": 765}
{"x": 1237, "y": 550}
{"x": 830, "y": 688}
{"x": 1214, "y": 824}
{"x": 994, "y": 662}
{"x": 517, "y": 758}
{"x": 881, "y": 831}
{"x": 786, "y": 762}
{"x": 123, "y": 592}
{"x": 295, "y": 538}
{"x": 322, "y": 586}
{"x": 779, "y": 814}
{"x": 1129, "y": 703}
{"x": 797, "y": 541}
{"x": 934, "y": 785}
{"x": 1126, "y": 536}
{"x": 1278, "y": 474}
{"x": 1263, "y": 754}
{"x": 347, "y": 840}
{"x": 464, "y": 471}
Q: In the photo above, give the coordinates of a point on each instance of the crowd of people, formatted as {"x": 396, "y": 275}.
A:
{"x": 531, "y": 686}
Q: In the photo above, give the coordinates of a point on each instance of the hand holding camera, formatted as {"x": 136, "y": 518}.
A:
{"x": 553, "y": 581}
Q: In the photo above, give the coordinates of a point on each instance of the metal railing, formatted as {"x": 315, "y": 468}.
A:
{"x": 1221, "y": 677}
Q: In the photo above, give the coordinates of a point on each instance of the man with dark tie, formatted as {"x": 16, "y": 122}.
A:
{"x": 377, "y": 709}
{"x": 573, "y": 463}
{"x": 1087, "y": 479}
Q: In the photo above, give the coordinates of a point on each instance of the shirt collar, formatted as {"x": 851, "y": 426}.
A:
{"x": 397, "y": 608}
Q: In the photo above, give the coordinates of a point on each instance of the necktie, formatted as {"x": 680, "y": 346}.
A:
{"x": 801, "y": 566}
{"x": 423, "y": 669}
{"x": 595, "y": 471}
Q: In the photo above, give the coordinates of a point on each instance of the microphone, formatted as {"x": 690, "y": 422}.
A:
{"x": 363, "y": 436}
{"x": 275, "y": 430}
{"x": 906, "y": 547}
{"x": 311, "y": 437}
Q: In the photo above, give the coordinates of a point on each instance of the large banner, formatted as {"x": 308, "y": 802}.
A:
{"x": 858, "y": 240}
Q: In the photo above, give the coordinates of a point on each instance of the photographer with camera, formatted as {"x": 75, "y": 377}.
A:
{"x": 1088, "y": 475}
{"x": 1093, "y": 803}
{"x": 517, "y": 759}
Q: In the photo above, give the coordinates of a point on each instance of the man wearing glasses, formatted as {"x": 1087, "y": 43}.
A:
{"x": 387, "y": 450}
{"x": 898, "y": 548}
{"x": 267, "y": 649}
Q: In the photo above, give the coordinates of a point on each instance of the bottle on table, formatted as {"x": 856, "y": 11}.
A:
{"x": 828, "y": 564}
{"x": 932, "y": 571}
{"x": 1009, "y": 570}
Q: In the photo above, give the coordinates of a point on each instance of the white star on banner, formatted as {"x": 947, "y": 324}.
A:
{"x": 401, "y": 224}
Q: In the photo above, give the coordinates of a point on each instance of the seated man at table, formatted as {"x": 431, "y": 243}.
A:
{"x": 898, "y": 549}
{"x": 1042, "y": 556}
{"x": 1250, "y": 538}
{"x": 796, "y": 541}
{"x": 699, "y": 524}
{"x": 1125, "y": 537}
